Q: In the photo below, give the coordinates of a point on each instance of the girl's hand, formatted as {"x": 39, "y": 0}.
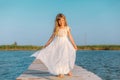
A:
{"x": 75, "y": 47}
{"x": 44, "y": 46}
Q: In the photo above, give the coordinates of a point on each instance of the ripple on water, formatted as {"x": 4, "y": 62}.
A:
{"x": 105, "y": 64}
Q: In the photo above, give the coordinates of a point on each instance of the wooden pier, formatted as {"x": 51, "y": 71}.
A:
{"x": 38, "y": 71}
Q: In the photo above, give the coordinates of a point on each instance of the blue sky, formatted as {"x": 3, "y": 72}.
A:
{"x": 31, "y": 22}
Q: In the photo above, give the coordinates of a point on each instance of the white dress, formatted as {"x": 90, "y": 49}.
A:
{"x": 59, "y": 56}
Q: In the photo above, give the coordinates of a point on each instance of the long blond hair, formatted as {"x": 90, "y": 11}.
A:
{"x": 58, "y": 17}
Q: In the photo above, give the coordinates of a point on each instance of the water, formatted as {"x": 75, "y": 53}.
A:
{"x": 105, "y": 64}
{"x": 13, "y": 63}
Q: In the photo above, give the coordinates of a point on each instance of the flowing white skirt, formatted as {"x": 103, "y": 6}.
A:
{"x": 59, "y": 56}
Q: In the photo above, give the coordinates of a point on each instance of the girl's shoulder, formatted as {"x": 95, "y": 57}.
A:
{"x": 68, "y": 28}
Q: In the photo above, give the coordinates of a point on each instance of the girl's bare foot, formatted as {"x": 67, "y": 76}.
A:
{"x": 70, "y": 73}
{"x": 61, "y": 75}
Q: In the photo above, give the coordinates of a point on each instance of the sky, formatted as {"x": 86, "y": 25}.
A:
{"x": 31, "y": 22}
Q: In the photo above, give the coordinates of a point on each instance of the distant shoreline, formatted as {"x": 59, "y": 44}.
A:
{"x": 19, "y": 47}
{"x": 99, "y": 47}
{"x": 86, "y": 47}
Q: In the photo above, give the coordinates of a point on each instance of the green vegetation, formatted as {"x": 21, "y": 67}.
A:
{"x": 31, "y": 47}
{"x": 99, "y": 47}
{"x": 19, "y": 47}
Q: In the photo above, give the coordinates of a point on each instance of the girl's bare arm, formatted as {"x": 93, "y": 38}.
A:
{"x": 71, "y": 39}
{"x": 50, "y": 40}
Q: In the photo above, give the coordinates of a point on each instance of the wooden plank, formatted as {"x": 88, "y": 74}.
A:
{"x": 38, "y": 71}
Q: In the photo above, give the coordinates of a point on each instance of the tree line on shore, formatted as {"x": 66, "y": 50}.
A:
{"x": 85, "y": 47}
{"x": 99, "y": 47}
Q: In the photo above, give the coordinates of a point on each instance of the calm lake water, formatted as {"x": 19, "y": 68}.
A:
{"x": 105, "y": 64}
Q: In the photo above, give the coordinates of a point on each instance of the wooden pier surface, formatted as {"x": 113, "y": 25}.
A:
{"x": 38, "y": 71}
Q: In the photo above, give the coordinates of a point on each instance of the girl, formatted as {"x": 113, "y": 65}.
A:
{"x": 59, "y": 52}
